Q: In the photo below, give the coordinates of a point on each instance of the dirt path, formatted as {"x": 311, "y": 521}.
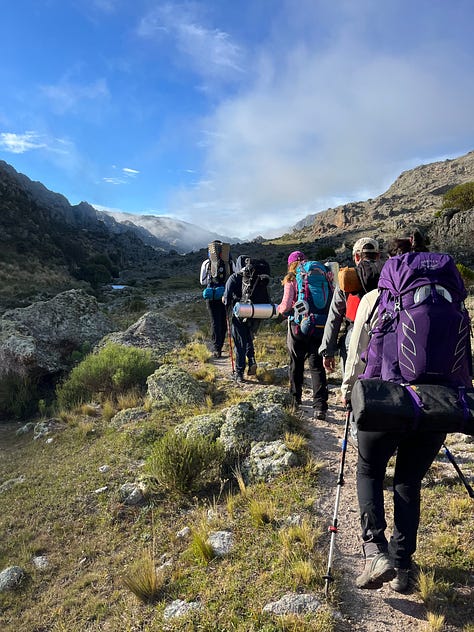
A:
{"x": 380, "y": 610}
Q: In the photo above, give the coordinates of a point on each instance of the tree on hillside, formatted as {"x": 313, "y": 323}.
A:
{"x": 460, "y": 197}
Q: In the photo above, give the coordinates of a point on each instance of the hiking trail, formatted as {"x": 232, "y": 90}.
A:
{"x": 382, "y": 610}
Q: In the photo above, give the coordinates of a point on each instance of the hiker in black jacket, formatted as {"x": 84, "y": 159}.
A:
{"x": 333, "y": 343}
{"x": 214, "y": 304}
{"x": 243, "y": 330}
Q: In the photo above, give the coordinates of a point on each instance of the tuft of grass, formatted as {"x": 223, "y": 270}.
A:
{"x": 129, "y": 399}
{"x": 178, "y": 463}
{"x": 237, "y": 472}
{"x": 296, "y": 443}
{"x": 432, "y": 591}
{"x": 200, "y": 547}
{"x": 303, "y": 572}
{"x": 108, "y": 410}
{"x": 262, "y": 512}
{"x": 143, "y": 580}
{"x": 435, "y": 622}
{"x": 302, "y": 537}
{"x": 89, "y": 410}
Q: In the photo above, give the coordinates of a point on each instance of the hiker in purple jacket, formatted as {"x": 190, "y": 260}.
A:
{"x": 391, "y": 561}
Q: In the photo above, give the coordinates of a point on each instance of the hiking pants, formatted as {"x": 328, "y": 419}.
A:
{"x": 242, "y": 335}
{"x": 218, "y": 323}
{"x": 301, "y": 348}
{"x": 415, "y": 453}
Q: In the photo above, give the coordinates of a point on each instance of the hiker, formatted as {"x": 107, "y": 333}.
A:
{"x": 344, "y": 304}
{"x": 243, "y": 330}
{"x": 415, "y": 451}
{"x": 302, "y": 346}
{"x": 215, "y": 270}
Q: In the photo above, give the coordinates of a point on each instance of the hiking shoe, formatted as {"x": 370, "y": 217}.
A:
{"x": 252, "y": 370}
{"x": 405, "y": 579}
{"x": 378, "y": 570}
{"x": 239, "y": 377}
{"x": 320, "y": 414}
{"x": 217, "y": 354}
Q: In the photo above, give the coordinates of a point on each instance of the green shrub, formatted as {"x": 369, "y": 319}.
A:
{"x": 178, "y": 463}
{"x": 18, "y": 395}
{"x": 461, "y": 197}
{"x": 466, "y": 273}
{"x": 112, "y": 371}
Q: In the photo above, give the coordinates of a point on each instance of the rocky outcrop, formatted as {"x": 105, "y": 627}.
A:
{"x": 151, "y": 331}
{"x": 416, "y": 197}
{"x": 170, "y": 385}
{"x": 39, "y": 339}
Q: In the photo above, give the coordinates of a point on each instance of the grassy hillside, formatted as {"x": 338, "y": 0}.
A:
{"x": 102, "y": 553}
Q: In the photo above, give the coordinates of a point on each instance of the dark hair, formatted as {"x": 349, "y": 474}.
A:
{"x": 415, "y": 242}
{"x": 371, "y": 256}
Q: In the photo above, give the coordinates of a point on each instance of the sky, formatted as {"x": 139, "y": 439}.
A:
{"x": 241, "y": 116}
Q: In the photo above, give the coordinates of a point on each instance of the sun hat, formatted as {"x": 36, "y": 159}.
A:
{"x": 297, "y": 255}
{"x": 365, "y": 244}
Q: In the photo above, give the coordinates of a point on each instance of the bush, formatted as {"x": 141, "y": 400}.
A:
{"x": 112, "y": 371}
{"x": 460, "y": 197}
{"x": 466, "y": 273}
{"x": 18, "y": 395}
{"x": 178, "y": 463}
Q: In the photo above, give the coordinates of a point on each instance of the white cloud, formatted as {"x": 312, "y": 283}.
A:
{"x": 317, "y": 126}
{"x": 131, "y": 173}
{"x": 210, "y": 52}
{"x": 66, "y": 96}
{"x": 21, "y": 143}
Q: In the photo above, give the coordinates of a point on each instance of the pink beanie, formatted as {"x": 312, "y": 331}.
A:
{"x": 297, "y": 255}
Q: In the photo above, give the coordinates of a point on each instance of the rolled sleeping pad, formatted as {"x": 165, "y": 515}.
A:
{"x": 256, "y": 310}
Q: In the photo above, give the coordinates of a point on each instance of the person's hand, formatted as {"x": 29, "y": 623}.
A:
{"x": 329, "y": 364}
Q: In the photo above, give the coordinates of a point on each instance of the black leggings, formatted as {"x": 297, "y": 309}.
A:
{"x": 301, "y": 347}
{"x": 415, "y": 453}
{"x": 217, "y": 312}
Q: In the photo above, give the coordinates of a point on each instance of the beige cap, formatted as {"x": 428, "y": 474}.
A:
{"x": 365, "y": 244}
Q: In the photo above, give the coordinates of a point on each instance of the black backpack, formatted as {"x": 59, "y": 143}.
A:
{"x": 255, "y": 280}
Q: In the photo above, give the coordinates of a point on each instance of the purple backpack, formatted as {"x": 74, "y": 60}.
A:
{"x": 423, "y": 330}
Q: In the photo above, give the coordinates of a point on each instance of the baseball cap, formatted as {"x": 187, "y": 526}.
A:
{"x": 365, "y": 244}
{"x": 297, "y": 255}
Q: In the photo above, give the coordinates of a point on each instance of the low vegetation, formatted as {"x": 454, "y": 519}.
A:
{"x": 116, "y": 566}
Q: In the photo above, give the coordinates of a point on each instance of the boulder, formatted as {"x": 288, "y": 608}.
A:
{"x": 172, "y": 385}
{"x": 245, "y": 424}
{"x": 151, "y": 331}
{"x": 11, "y": 578}
{"x": 267, "y": 460}
{"x": 38, "y": 340}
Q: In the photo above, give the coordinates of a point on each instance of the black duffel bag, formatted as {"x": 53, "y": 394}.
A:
{"x": 378, "y": 405}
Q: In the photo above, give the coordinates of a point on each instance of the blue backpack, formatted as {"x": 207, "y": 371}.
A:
{"x": 315, "y": 292}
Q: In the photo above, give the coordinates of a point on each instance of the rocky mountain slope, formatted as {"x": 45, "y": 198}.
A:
{"x": 414, "y": 198}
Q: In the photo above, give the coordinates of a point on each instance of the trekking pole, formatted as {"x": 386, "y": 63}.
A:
{"x": 451, "y": 459}
{"x": 333, "y": 529}
{"x": 231, "y": 353}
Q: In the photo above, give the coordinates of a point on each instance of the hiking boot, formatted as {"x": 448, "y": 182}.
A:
{"x": 252, "y": 370}
{"x": 239, "y": 377}
{"x": 217, "y": 354}
{"x": 320, "y": 414}
{"x": 378, "y": 570}
{"x": 405, "y": 579}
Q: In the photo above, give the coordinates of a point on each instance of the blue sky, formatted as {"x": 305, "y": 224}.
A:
{"x": 242, "y": 116}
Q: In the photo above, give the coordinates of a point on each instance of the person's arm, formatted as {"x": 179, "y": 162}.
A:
{"x": 359, "y": 341}
{"x": 337, "y": 312}
{"x": 231, "y": 290}
{"x": 288, "y": 300}
{"x": 204, "y": 276}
